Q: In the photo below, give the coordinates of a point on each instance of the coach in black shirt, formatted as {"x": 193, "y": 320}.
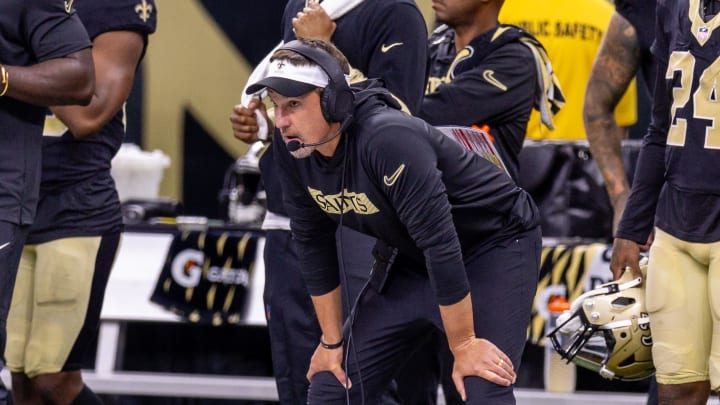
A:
{"x": 460, "y": 226}
{"x": 44, "y": 60}
{"x": 378, "y": 47}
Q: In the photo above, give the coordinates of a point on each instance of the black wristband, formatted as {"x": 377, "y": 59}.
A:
{"x": 332, "y": 346}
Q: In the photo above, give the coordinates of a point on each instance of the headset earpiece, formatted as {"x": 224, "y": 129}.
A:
{"x": 336, "y": 100}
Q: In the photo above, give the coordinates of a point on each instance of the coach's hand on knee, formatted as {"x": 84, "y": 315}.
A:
{"x": 479, "y": 357}
{"x": 329, "y": 360}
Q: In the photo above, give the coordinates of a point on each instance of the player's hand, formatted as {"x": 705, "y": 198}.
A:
{"x": 245, "y": 123}
{"x": 328, "y": 360}
{"x": 313, "y": 23}
{"x": 480, "y": 357}
{"x": 625, "y": 253}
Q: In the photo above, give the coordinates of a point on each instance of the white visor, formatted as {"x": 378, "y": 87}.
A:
{"x": 290, "y": 80}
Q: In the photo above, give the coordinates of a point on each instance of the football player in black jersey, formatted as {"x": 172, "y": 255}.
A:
{"x": 676, "y": 190}
{"x": 466, "y": 238}
{"x": 45, "y": 59}
{"x": 65, "y": 265}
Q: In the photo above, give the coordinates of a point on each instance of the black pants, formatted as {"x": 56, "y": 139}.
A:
{"x": 388, "y": 326}
{"x": 12, "y": 240}
{"x": 292, "y": 323}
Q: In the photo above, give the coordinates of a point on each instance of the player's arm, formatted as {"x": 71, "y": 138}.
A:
{"x": 64, "y": 73}
{"x": 116, "y": 55}
{"x": 637, "y": 220}
{"x": 58, "y": 81}
{"x": 638, "y": 217}
{"x": 613, "y": 71}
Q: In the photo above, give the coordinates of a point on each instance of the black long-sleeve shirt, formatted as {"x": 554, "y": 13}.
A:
{"x": 406, "y": 184}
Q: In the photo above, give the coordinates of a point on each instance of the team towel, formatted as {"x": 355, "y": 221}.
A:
{"x": 206, "y": 276}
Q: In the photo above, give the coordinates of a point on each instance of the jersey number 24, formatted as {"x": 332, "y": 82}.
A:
{"x": 705, "y": 98}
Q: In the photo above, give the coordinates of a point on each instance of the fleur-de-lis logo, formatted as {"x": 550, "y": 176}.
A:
{"x": 144, "y": 10}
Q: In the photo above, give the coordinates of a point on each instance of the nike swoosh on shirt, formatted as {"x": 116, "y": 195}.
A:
{"x": 68, "y": 6}
{"x": 384, "y": 48}
{"x": 489, "y": 76}
{"x": 4, "y": 245}
{"x": 390, "y": 181}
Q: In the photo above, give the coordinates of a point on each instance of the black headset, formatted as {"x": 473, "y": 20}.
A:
{"x": 336, "y": 99}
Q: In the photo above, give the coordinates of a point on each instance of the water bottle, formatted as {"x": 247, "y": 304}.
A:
{"x": 558, "y": 376}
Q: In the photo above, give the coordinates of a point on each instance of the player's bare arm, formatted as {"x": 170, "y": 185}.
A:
{"x": 614, "y": 69}
{"x": 116, "y": 55}
{"x": 60, "y": 81}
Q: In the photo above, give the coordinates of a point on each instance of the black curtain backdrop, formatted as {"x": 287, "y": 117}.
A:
{"x": 254, "y": 29}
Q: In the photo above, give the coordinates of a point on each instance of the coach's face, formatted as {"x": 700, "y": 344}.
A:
{"x": 300, "y": 120}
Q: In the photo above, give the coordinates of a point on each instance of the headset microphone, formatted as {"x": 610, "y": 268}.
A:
{"x": 292, "y": 146}
{"x": 295, "y": 145}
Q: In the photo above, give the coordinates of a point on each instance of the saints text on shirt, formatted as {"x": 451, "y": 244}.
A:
{"x": 350, "y": 201}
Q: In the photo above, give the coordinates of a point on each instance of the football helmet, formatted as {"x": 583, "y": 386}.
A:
{"x": 607, "y": 330}
{"x": 242, "y": 190}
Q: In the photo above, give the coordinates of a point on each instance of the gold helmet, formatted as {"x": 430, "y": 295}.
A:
{"x": 607, "y": 330}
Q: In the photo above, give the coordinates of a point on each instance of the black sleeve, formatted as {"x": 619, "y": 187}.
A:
{"x": 487, "y": 93}
{"x": 53, "y": 32}
{"x": 639, "y": 215}
{"x": 312, "y": 230}
{"x": 421, "y": 202}
{"x": 101, "y": 16}
{"x": 402, "y": 67}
